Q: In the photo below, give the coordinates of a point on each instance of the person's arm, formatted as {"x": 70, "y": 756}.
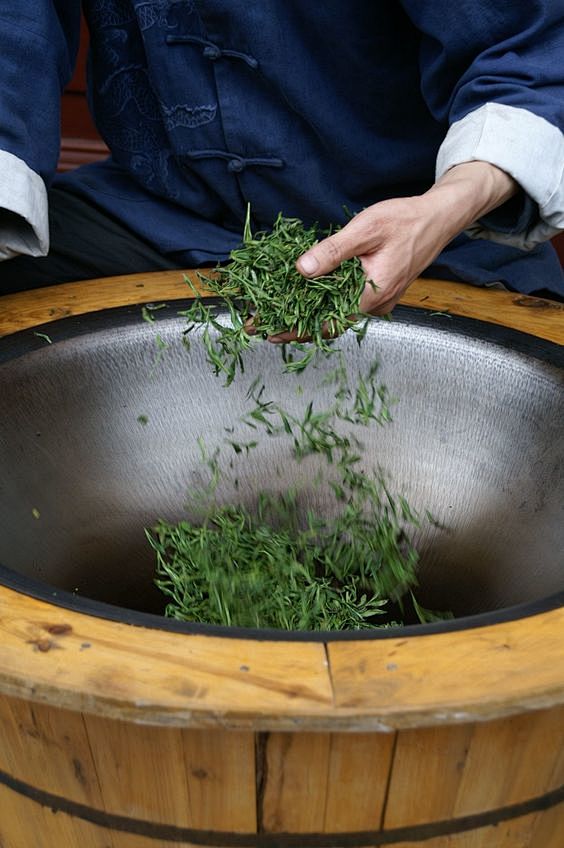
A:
{"x": 397, "y": 239}
{"x": 495, "y": 74}
{"x": 37, "y": 53}
{"x": 24, "y": 226}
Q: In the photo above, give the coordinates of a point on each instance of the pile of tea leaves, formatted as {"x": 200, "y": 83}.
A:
{"x": 269, "y": 568}
{"x": 280, "y": 564}
{"x": 261, "y": 282}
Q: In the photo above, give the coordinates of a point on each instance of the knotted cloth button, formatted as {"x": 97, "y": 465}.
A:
{"x": 212, "y": 52}
{"x": 235, "y": 166}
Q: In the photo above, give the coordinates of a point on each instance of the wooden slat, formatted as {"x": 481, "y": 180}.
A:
{"x": 220, "y": 769}
{"x": 141, "y": 770}
{"x": 294, "y": 787}
{"x": 474, "y": 768}
{"x": 426, "y": 774}
{"x": 359, "y": 766}
{"x": 49, "y": 749}
{"x": 548, "y": 828}
{"x": 30, "y": 825}
{"x": 506, "y": 835}
{"x": 511, "y": 761}
{"x": 25, "y": 824}
{"x": 445, "y": 773}
{"x": 194, "y": 779}
{"x": 133, "y": 840}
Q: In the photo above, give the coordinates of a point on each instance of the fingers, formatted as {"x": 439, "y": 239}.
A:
{"x": 285, "y": 338}
{"x": 250, "y": 327}
{"x": 328, "y": 254}
{"x": 391, "y": 241}
{"x": 291, "y": 336}
{"x": 280, "y": 338}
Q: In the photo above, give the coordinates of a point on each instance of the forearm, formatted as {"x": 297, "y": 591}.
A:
{"x": 464, "y": 194}
{"x": 38, "y": 43}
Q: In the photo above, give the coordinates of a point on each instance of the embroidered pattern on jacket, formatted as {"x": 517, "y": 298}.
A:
{"x": 151, "y": 12}
{"x": 111, "y": 13}
{"x": 126, "y": 85}
{"x": 187, "y": 116}
{"x": 131, "y": 116}
{"x": 148, "y": 160}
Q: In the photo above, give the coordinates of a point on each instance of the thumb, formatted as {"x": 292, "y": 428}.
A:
{"x": 328, "y": 254}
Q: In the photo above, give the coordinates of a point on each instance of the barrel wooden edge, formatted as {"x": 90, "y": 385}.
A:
{"x": 75, "y": 661}
{"x": 67, "y": 659}
{"x": 537, "y": 316}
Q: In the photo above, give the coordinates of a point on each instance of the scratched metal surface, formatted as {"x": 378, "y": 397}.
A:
{"x": 477, "y": 439}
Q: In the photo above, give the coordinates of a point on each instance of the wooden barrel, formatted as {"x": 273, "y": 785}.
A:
{"x": 120, "y": 736}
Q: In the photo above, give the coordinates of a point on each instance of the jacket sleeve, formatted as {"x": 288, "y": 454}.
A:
{"x": 494, "y": 73}
{"x": 37, "y": 52}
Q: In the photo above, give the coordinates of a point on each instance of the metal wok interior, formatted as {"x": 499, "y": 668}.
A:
{"x": 98, "y": 440}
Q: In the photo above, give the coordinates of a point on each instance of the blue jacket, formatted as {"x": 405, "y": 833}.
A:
{"x": 309, "y": 108}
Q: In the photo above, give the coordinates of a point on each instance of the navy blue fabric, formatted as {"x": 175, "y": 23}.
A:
{"x": 86, "y": 243}
{"x": 299, "y": 107}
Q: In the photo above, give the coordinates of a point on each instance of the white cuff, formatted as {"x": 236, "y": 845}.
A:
{"x": 23, "y": 193}
{"x": 527, "y": 147}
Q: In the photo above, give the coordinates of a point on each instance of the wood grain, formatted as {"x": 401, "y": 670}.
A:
{"x": 501, "y": 673}
{"x": 220, "y": 768}
{"x": 515, "y": 834}
{"x": 359, "y": 768}
{"x": 547, "y": 830}
{"x": 510, "y": 761}
{"x": 24, "y": 824}
{"x": 548, "y": 827}
{"x": 141, "y": 770}
{"x": 48, "y": 749}
{"x": 448, "y": 772}
{"x": 29, "y": 826}
{"x": 542, "y": 318}
{"x": 294, "y": 796}
{"x": 426, "y": 774}
{"x": 154, "y": 676}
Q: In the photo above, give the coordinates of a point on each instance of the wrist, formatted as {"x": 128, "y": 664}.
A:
{"x": 467, "y": 192}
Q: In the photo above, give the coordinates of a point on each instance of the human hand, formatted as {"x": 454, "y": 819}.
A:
{"x": 397, "y": 239}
